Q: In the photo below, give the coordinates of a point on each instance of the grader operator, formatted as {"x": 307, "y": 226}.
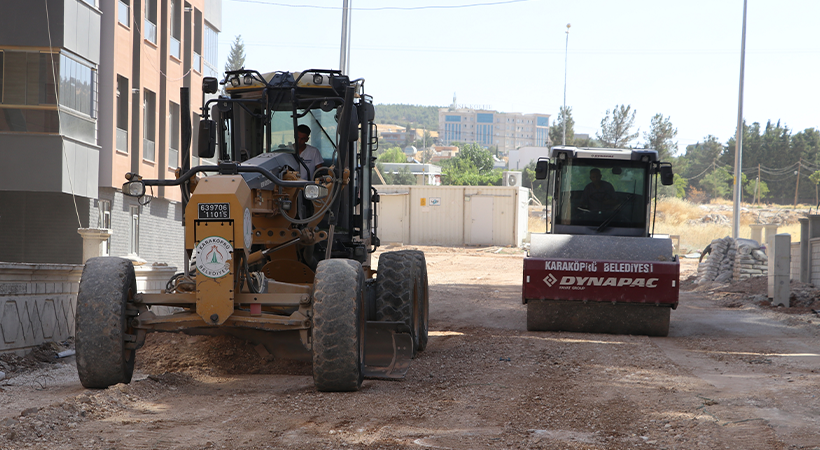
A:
{"x": 277, "y": 259}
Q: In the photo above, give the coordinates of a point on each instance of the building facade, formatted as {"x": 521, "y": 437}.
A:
{"x": 91, "y": 91}
{"x": 506, "y": 131}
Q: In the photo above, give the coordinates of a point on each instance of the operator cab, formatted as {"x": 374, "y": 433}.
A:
{"x": 601, "y": 191}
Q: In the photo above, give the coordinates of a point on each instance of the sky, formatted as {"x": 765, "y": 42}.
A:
{"x": 677, "y": 58}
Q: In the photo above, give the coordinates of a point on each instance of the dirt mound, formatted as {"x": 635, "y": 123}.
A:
{"x": 804, "y": 297}
{"x": 209, "y": 355}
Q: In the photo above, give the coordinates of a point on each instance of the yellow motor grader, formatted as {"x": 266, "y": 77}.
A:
{"x": 270, "y": 257}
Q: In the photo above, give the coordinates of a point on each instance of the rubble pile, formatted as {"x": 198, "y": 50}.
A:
{"x": 731, "y": 259}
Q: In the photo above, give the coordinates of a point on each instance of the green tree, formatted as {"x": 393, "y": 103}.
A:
{"x": 557, "y": 128}
{"x": 404, "y": 177}
{"x": 661, "y": 137}
{"x": 421, "y": 116}
{"x": 815, "y": 178}
{"x": 615, "y": 130}
{"x": 700, "y": 158}
{"x": 718, "y": 183}
{"x": 751, "y": 187}
{"x": 236, "y": 58}
{"x": 392, "y": 155}
{"x": 481, "y": 159}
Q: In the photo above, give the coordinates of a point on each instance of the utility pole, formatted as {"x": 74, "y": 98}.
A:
{"x": 797, "y": 183}
{"x": 757, "y": 188}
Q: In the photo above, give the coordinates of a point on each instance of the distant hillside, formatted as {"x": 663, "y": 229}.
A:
{"x": 420, "y": 116}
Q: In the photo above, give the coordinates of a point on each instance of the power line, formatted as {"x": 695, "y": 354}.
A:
{"x": 384, "y": 8}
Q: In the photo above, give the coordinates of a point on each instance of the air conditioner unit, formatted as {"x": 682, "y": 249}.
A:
{"x": 511, "y": 178}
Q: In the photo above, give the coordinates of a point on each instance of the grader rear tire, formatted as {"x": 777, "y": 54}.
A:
{"x": 398, "y": 289}
{"x": 423, "y": 298}
{"x": 101, "y": 323}
{"x": 338, "y": 326}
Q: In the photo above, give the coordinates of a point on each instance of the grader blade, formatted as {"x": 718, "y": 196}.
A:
{"x": 388, "y": 350}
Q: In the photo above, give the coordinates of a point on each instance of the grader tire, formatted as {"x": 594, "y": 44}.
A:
{"x": 338, "y": 326}
{"x": 423, "y": 300}
{"x": 397, "y": 292}
{"x": 101, "y": 322}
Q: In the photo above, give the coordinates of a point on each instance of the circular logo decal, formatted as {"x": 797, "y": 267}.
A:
{"x": 248, "y": 229}
{"x": 212, "y": 256}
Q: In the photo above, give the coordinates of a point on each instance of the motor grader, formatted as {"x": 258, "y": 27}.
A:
{"x": 599, "y": 268}
{"x": 270, "y": 257}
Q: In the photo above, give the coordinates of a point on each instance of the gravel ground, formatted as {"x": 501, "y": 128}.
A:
{"x": 734, "y": 373}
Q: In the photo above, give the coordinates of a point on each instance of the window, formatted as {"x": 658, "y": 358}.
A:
{"x": 104, "y": 221}
{"x": 122, "y": 113}
{"x": 149, "y": 126}
{"x": 78, "y": 86}
{"x": 91, "y": 2}
{"x": 173, "y": 136}
{"x": 211, "y": 55}
{"x": 134, "y": 241}
{"x": 151, "y": 21}
{"x": 197, "y": 40}
{"x": 124, "y": 12}
{"x": 175, "y": 16}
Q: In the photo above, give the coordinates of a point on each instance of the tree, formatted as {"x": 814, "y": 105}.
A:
{"x": 404, "y": 177}
{"x": 718, "y": 183}
{"x": 392, "y": 155}
{"x": 557, "y": 128}
{"x": 615, "y": 130}
{"x": 756, "y": 188}
{"x": 661, "y": 137}
{"x": 236, "y": 58}
{"x": 481, "y": 159}
{"x": 815, "y": 178}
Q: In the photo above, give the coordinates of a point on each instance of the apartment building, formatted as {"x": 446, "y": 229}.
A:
{"x": 90, "y": 91}
{"x": 506, "y": 131}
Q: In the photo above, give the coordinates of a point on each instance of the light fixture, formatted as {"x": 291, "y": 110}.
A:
{"x": 317, "y": 79}
{"x": 235, "y": 81}
{"x": 248, "y": 80}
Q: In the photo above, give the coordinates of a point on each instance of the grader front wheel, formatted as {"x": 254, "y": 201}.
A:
{"x": 399, "y": 294}
{"x": 338, "y": 326}
{"x": 102, "y": 329}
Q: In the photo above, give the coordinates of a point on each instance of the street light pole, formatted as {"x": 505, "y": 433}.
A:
{"x": 344, "y": 58}
{"x": 564, "y": 111}
{"x": 739, "y": 137}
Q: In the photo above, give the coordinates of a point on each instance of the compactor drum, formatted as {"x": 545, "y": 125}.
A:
{"x": 278, "y": 241}
{"x": 599, "y": 269}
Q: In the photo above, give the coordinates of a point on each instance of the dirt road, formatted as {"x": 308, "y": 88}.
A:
{"x": 732, "y": 374}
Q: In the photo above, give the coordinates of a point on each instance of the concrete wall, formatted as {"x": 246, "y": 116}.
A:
{"x": 38, "y": 301}
{"x": 37, "y": 304}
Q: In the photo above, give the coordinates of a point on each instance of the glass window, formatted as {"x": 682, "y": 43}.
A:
{"x": 149, "y": 125}
{"x": 14, "y": 87}
{"x": 104, "y": 221}
{"x": 123, "y": 93}
{"x": 173, "y": 135}
{"x": 134, "y": 244}
{"x": 78, "y": 85}
{"x": 619, "y": 193}
{"x": 151, "y": 21}
{"x": 124, "y": 12}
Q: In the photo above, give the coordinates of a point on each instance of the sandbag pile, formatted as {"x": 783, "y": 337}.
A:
{"x": 750, "y": 260}
{"x": 732, "y": 259}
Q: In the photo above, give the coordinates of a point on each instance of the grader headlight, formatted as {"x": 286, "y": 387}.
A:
{"x": 134, "y": 188}
{"x": 313, "y": 192}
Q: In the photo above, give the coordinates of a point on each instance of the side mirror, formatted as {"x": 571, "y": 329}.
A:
{"x": 353, "y": 136}
{"x": 207, "y": 139}
{"x": 542, "y": 167}
{"x": 667, "y": 177}
{"x": 210, "y": 85}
